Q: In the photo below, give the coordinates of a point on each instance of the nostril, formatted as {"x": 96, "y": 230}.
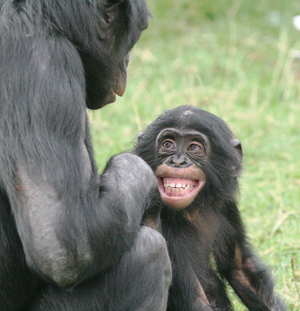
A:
{"x": 178, "y": 162}
{"x": 181, "y": 161}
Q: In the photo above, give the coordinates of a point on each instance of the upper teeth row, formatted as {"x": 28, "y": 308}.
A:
{"x": 173, "y": 185}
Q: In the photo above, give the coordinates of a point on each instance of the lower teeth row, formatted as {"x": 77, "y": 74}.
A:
{"x": 181, "y": 188}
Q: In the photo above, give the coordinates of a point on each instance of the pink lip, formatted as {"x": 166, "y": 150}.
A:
{"x": 178, "y": 197}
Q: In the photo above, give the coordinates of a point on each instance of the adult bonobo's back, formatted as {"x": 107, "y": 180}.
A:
{"x": 59, "y": 221}
{"x": 197, "y": 160}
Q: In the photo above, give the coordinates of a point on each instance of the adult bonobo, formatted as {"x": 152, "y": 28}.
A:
{"x": 197, "y": 161}
{"x": 60, "y": 223}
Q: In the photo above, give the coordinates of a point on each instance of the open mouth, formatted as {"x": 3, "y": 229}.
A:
{"x": 179, "y": 193}
{"x": 178, "y": 187}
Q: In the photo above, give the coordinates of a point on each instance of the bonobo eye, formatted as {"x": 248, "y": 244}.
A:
{"x": 168, "y": 144}
{"x": 195, "y": 147}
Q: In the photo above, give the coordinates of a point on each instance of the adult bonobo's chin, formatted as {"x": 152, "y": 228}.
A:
{"x": 61, "y": 224}
{"x": 197, "y": 161}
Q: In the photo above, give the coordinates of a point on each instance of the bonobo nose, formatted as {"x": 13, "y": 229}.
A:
{"x": 178, "y": 161}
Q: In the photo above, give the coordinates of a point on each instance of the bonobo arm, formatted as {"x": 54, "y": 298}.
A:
{"x": 250, "y": 279}
{"x": 126, "y": 189}
{"x": 245, "y": 272}
{"x": 89, "y": 225}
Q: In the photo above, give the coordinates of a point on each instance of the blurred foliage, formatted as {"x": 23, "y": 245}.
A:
{"x": 240, "y": 60}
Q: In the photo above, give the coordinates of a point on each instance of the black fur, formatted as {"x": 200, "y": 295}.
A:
{"x": 60, "y": 223}
{"x": 207, "y": 241}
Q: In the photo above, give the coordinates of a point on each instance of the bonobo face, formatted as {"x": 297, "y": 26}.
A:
{"x": 194, "y": 155}
{"x": 126, "y": 19}
{"x": 181, "y": 154}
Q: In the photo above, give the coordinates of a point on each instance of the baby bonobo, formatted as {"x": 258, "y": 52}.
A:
{"x": 197, "y": 162}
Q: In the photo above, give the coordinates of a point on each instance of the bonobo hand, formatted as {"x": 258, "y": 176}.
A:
{"x": 132, "y": 179}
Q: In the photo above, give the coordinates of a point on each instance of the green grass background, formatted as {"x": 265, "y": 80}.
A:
{"x": 235, "y": 58}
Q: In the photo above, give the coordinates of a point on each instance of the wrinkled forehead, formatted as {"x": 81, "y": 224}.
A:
{"x": 181, "y": 133}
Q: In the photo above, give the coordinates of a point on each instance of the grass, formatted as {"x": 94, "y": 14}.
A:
{"x": 234, "y": 58}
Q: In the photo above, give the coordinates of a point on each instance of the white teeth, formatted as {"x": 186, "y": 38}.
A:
{"x": 178, "y": 186}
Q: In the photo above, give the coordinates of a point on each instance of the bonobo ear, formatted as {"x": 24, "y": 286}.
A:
{"x": 111, "y": 10}
{"x": 140, "y": 135}
{"x": 237, "y": 168}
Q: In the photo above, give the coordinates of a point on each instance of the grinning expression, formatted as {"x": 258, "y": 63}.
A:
{"x": 180, "y": 177}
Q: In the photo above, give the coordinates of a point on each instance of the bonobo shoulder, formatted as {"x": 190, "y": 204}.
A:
{"x": 131, "y": 159}
{"x": 132, "y": 166}
{"x": 127, "y": 157}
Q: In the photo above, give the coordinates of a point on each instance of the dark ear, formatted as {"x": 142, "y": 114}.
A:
{"x": 111, "y": 10}
{"x": 237, "y": 168}
{"x": 140, "y": 135}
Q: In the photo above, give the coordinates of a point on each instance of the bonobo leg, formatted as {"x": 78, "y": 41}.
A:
{"x": 140, "y": 282}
